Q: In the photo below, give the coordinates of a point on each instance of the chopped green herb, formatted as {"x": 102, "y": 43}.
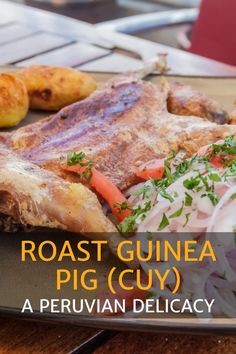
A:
{"x": 214, "y": 177}
{"x": 127, "y": 225}
{"x": 183, "y": 167}
{"x": 188, "y": 199}
{"x": 74, "y": 158}
{"x": 177, "y": 213}
{"x": 212, "y": 196}
{"x": 121, "y": 206}
{"x": 204, "y": 181}
{"x": 166, "y": 195}
{"x": 164, "y": 222}
{"x": 187, "y": 219}
{"x": 168, "y": 173}
{"x": 143, "y": 191}
{"x": 78, "y": 158}
{"x": 191, "y": 183}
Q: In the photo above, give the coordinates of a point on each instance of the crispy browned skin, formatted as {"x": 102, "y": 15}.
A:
{"x": 232, "y": 118}
{"x": 34, "y": 196}
{"x": 38, "y": 197}
{"x": 184, "y": 100}
{"x": 120, "y": 127}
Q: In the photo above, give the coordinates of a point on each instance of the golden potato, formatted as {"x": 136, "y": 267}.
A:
{"x": 52, "y": 88}
{"x": 14, "y": 100}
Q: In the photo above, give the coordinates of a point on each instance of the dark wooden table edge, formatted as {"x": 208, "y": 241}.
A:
{"x": 94, "y": 342}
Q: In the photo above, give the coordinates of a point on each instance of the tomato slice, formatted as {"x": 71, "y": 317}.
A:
{"x": 104, "y": 186}
{"x": 206, "y": 148}
{"x": 216, "y": 161}
{"x": 153, "y": 171}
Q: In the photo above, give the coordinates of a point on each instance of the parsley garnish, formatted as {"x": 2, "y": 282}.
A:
{"x": 143, "y": 191}
{"x": 214, "y": 177}
{"x": 186, "y": 219}
{"x": 164, "y": 222}
{"x": 78, "y": 158}
{"x": 127, "y": 225}
{"x": 177, "y": 213}
{"x": 191, "y": 183}
{"x": 212, "y": 196}
{"x": 206, "y": 175}
{"x": 233, "y": 196}
{"x": 74, "y": 158}
{"x": 188, "y": 199}
{"x": 121, "y": 206}
{"x": 166, "y": 195}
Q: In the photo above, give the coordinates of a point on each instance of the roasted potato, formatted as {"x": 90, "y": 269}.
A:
{"x": 52, "y": 88}
{"x": 14, "y": 101}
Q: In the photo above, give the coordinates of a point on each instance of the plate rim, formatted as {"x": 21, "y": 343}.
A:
{"x": 181, "y": 325}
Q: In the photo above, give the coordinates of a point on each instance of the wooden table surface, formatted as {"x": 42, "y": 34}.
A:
{"x": 24, "y": 42}
{"x": 32, "y": 36}
{"x": 20, "y": 337}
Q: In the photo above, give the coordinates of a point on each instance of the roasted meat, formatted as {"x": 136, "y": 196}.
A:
{"x": 120, "y": 127}
{"x": 184, "y": 100}
{"x": 232, "y": 118}
{"x": 33, "y": 196}
{"x": 36, "y": 197}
